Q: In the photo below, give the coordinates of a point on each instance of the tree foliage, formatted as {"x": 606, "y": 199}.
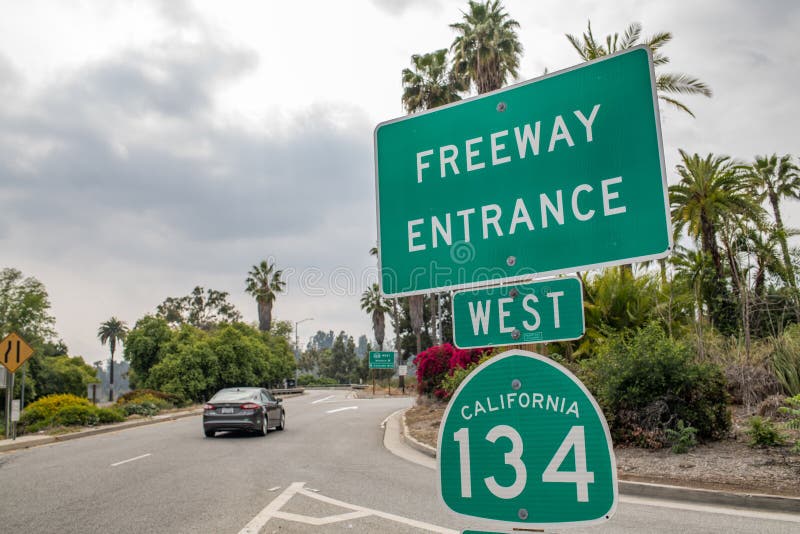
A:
{"x": 144, "y": 346}
{"x": 201, "y": 308}
{"x": 486, "y": 50}
{"x": 264, "y": 283}
{"x": 24, "y": 308}
{"x": 194, "y": 364}
{"x": 667, "y": 84}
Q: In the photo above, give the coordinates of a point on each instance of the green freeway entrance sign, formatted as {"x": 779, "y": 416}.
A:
{"x": 381, "y": 360}
{"x": 555, "y": 175}
{"x": 546, "y": 310}
{"x": 524, "y": 444}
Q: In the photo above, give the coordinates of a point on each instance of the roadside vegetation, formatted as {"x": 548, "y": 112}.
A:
{"x": 184, "y": 352}
{"x": 671, "y": 347}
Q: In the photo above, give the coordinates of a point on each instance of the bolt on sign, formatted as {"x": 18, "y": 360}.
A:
{"x": 559, "y": 174}
{"x": 381, "y": 359}
{"x": 523, "y": 444}
{"x": 14, "y": 352}
{"x": 536, "y": 312}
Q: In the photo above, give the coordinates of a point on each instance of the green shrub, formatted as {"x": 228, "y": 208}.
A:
{"x": 683, "y": 438}
{"x": 40, "y": 414}
{"x": 646, "y": 382}
{"x": 311, "y": 380}
{"x": 763, "y": 432}
{"x": 144, "y": 408}
{"x": 110, "y": 415}
{"x": 159, "y": 398}
{"x": 786, "y": 360}
{"x": 792, "y": 410}
{"x": 77, "y": 414}
{"x": 66, "y": 410}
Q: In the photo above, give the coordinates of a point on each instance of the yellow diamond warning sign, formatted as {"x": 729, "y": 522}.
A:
{"x": 14, "y": 352}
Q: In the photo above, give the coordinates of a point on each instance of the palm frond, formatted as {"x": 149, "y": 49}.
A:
{"x": 681, "y": 83}
{"x": 676, "y": 103}
{"x": 631, "y": 36}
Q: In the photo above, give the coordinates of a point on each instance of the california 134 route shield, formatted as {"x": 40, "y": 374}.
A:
{"x": 524, "y": 444}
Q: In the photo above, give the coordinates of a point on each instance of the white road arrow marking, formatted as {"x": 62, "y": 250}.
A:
{"x": 354, "y": 512}
{"x": 322, "y": 399}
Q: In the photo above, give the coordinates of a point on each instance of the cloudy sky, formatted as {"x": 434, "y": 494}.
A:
{"x": 149, "y": 147}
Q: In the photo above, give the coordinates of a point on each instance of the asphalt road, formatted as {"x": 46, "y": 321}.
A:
{"x": 327, "y": 472}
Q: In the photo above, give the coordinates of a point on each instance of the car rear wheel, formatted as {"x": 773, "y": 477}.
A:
{"x": 209, "y": 433}
{"x": 264, "y": 426}
{"x": 283, "y": 421}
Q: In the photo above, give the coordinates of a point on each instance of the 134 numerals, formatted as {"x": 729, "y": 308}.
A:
{"x": 575, "y": 439}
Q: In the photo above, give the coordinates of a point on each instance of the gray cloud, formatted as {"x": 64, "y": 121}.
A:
{"x": 130, "y": 143}
{"x": 399, "y": 7}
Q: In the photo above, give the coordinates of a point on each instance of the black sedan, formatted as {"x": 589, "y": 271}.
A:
{"x": 245, "y": 408}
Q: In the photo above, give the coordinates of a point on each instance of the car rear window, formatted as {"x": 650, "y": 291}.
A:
{"x": 225, "y": 396}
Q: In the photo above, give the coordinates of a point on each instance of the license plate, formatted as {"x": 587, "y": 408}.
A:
{"x": 226, "y": 410}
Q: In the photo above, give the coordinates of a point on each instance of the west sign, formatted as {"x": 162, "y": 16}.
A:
{"x": 536, "y": 312}
{"x": 555, "y": 175}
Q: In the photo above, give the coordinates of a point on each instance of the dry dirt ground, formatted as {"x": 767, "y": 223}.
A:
{"x": 729, "y": 464}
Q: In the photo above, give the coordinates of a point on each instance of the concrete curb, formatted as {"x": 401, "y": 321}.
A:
{"x": 413, "y": 443}
{"x": 773, "y": 503}
{"x": 25, "y": 442}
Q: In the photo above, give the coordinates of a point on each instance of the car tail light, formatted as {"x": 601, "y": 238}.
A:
{"x": 250, "y": 406}
{"x": 209, "y": 407}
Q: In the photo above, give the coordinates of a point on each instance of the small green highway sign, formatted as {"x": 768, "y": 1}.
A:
{"x": 524, "y": 444}
{"x": 381, "y": 359}
{"x": 559, "y": 174}
{"x": 545, "y": 310}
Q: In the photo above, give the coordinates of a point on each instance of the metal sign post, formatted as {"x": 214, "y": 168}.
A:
{"x": 13, "y": 353}
{"x": 9, "y": 397}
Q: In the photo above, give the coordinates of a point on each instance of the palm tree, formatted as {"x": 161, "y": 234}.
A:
{"x": 774, "y": 179}
{"x": 763, "y": 245}
{"x": 373, "y": 302}
{"x": 486, "y": 50}
{"x": 430, "y": 84}
{"x": 711, "y": 191}
{"x": 416, "y": 312}
{"x": 710, "y": 188}
{"x": 666, "y": 83}
{"x": 264, "y": 283}
{"x": 694, "y": 266}
{"x": 111, "y": 331}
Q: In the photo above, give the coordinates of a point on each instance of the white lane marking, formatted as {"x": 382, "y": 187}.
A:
{"x": 384, "y": 515}
{"x": 343, "y": 409}
{"x": 269, "y": 510}
{"x": 131, "y": 460}
{"x": 273, "y": 509}
{"x": 741, "y": 512}
{"x": 276, "y": 488}
{"x": 319, "y": 521}
{"x": 322, "y": 400}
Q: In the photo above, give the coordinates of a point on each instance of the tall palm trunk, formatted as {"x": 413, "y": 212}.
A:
{"x": 111, "y": 374}
{"x": 379, "y": 327}
{"x": 416, "y": 305}
{"x": 787, "y": 260}
{"x": 264, "y": 316}
{"x": 710, "y": 244}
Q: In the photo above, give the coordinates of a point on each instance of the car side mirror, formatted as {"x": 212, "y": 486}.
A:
{"x": 279, "y": 401}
